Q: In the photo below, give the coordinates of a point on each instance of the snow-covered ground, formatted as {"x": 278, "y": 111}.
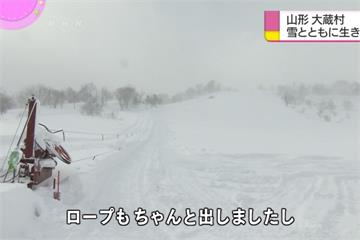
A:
{"x": 226, "y": 151}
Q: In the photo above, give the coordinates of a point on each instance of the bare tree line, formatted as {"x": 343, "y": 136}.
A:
{"x": 329, "y": 101}
{"x": 297, "y": 93}
{"x": 90, "y": 100}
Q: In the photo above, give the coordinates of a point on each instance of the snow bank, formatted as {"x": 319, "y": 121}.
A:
{"x": 19, "y": 210}
{"x": 229, "y": 150}
{"x": 256, "y": 122}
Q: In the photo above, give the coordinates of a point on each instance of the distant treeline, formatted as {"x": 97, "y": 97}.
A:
{"x": 329, "y": 100}
{"x": 91, "y": 99}
{"x": 296, "y": 93}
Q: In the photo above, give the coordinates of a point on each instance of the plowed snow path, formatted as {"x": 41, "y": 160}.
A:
{"x": 206, "y": 153}
{"x": 152, "y": 172}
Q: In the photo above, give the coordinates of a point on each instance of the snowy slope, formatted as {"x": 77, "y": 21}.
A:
{"x": 226, "y": 151}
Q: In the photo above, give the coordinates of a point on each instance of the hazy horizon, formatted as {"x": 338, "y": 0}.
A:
{"x": 167, "y": 46}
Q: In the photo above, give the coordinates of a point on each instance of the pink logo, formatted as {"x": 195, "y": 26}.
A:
{"x": 16, "y": 14}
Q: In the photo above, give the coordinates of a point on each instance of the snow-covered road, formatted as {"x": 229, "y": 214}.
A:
{"x": 176, "y": 156}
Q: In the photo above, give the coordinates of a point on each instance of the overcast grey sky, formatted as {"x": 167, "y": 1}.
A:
{"x": 166, "y": 46}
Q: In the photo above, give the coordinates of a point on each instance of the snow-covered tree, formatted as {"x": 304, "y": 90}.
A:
{"x": 91, "y": 107}
{"x": 126, "y": 96}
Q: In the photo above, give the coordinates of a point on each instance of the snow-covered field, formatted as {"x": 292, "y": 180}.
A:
{"x": 226, "y": 151}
